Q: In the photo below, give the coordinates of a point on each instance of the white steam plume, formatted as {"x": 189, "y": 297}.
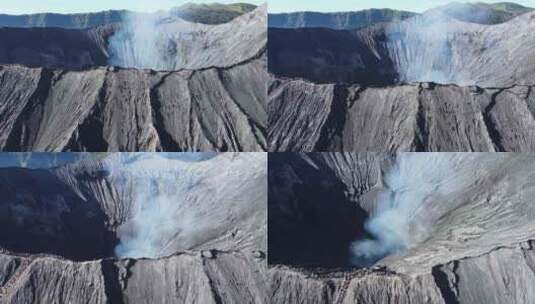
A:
{"x": 435, "y": 47}
{"x": 140, "y": 43}
{"x": 161, "y": 209}
{"x": 418, "y": 188}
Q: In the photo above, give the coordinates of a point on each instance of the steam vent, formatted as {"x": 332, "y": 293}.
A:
{"x": 133, "y": 228}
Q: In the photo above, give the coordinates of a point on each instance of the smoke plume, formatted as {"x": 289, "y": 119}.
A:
{"x": 140, "y": 43}
{"x": 418, "y": 188}
{"x": 161, "y": 208}
{"x": 437, "y": 46}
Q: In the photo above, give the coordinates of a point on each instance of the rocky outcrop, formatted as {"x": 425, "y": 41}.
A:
{"x": 479, "y": 247}
{"x": 416, "y": 117}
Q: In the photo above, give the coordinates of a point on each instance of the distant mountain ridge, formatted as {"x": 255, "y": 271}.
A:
{"x": 72, "y": 21}
{"x": 481, "y": 13}
{"x": 214, "y": 13}
{"x": 484, "y": 13}
{"x": 339, "y": 20}
{"x": 45, "y": 160}
{"x": 201, "y": 13}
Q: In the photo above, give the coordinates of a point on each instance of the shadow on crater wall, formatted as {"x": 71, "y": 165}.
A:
{"x": 45, "y": 216}
{"x": 312, "y": 221}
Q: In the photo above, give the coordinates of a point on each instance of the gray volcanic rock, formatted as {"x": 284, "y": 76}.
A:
{"x": 133, "y": 110}
{"x": 67, "y": 224}
{"x": 418, "y": 117}
{"x": 478, "y": 248}
{"x": 340, "y": 20}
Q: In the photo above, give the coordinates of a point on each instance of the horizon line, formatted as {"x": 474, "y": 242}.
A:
{"x": 257, "y": 4}
{"x": 417, "y": 11}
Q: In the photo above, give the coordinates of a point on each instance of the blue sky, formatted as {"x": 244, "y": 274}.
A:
{"x": 276, "y": 6}
{"x": 74, "y": 6}
{"x": 77, "y": 6}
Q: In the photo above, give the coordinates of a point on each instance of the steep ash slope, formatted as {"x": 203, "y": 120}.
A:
{"x": 188, "y": 277}
{"x": 477, "y": 245}
{"x": 133, "y": 110}
{"x": 176, "y": 222}
{"x": 304, "y": 116}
